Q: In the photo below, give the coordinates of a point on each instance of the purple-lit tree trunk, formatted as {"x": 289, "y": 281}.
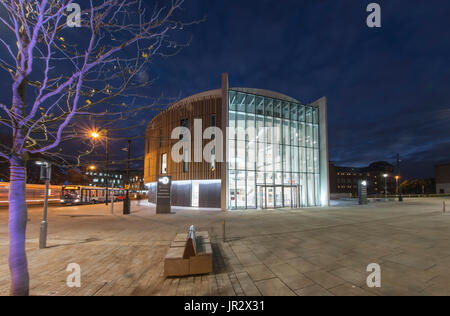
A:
{"x": 17, "y": 227}
{"x": 17, "y": 203}
{"x": 59, "y": 71}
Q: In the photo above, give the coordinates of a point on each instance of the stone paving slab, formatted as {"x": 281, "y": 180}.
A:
{"x": 307, "y": 252}
{"x": 313, "y": 290}
{"x": 274, "y": 287}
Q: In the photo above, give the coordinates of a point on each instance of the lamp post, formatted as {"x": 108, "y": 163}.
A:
{"x": 106, "y": 168}
{"x": 385, "y": 185}
{"x": 400, "y": 197}
{"x": 46, "y": 171}
{"x": 86, "y": 178}
{"x": 396, "y": 184}
{"x": 126, "y": 202}
{"x": 96, "y": 135}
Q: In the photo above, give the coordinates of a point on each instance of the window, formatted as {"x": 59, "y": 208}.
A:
{"x": 250, "y": 100}
{"x": 240, "y": 102}
{"x": 277, "y": 166}
{"x": 163, "y": 163}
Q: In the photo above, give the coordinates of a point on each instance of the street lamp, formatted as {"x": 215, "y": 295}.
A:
{"x": 385, "y": 185}
{"x": 96, "y": 135}
{"x": 396, "y": 184}
{"x": 126, "y": 202}
{"x": 86, "y": 178}
{"x": 46, "y": 172}
{"x": 400, "y": 197}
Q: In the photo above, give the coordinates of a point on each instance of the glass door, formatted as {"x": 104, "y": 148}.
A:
{"x": 287, "y": 196}
{"x": 261, "y": 197}
{"x": 295, "y": 197}
{"x": 270, "y": 197}
{"x": 279, "y": 196}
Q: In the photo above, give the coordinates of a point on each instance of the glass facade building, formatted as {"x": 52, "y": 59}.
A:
{"x": 273, "y": 152}
{"x": 270, "y": 150}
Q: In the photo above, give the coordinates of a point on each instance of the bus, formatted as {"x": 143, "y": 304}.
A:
{"x": 77, "y": 194}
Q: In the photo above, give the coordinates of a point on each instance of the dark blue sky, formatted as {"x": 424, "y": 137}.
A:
{"x": 387, "y": 89}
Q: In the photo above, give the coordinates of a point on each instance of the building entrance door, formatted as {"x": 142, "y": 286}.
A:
{"x": 270, "y": 197}
{"x": 296, "y": 197}
{"x": 287, "y": 196}
{"x": 260, "y": 197}
{"x": 277, "y": 196}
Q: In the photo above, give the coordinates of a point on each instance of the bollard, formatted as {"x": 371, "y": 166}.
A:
{"x": 43, "y": 235}
{"x": 223, "y": 230}
{"x": 443, "y": 207}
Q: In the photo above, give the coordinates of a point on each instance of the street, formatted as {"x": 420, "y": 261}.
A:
{"x": 310, "y": 251}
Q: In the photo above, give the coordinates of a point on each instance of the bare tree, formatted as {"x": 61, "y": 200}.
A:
{"x": 63, "y": 65}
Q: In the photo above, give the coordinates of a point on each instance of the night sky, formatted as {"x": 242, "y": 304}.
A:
{"x": 387, "y": 89}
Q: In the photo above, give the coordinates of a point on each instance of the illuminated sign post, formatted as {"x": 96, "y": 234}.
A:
{"x": 362, "y": 192}
{"x": 163, "y": 201}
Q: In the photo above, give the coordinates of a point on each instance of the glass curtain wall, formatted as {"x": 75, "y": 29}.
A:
{"x": 274, "y": 154}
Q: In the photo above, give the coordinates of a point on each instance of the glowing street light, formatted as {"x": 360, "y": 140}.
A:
{"x": 397, "y": 178}
{"x": 96, "y": 135}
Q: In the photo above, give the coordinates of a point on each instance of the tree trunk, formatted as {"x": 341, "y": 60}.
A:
{"x": 17, "y": 226}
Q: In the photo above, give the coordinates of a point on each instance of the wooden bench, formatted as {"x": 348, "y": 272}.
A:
{"x": 189, "y": 254}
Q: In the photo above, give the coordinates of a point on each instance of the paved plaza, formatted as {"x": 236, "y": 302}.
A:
{"x": 316, "y": 251}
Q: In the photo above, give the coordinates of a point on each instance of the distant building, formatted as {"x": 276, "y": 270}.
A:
{"x": 137, "y": 180}
{"x": 97, "y": 178}
{"x": 442, "y": 174}
{"x": 344, "y": 180}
